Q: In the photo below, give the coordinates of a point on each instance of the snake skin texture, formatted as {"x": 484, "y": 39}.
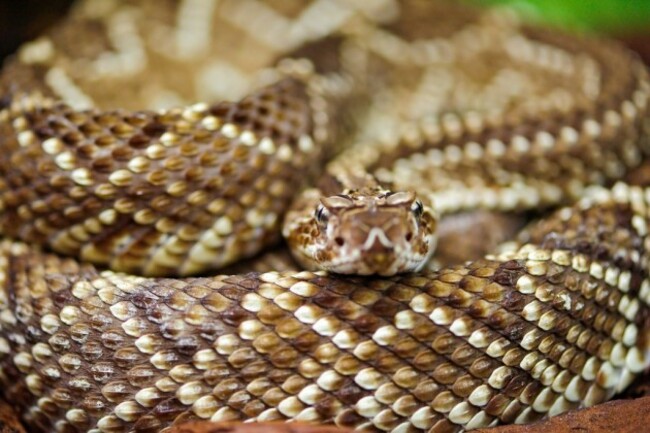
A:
{"x": 117, "y": 208}
{"x": 556, "y": 324}
{"x": 271, "y": 427}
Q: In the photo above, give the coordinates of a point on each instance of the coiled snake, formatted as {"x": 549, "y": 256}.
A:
{"x": 426, "y": 104}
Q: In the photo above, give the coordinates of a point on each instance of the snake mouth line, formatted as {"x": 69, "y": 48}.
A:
{"x": 352, "y": 265}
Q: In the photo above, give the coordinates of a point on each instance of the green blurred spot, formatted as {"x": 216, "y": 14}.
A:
{"x": 615, "y": 16}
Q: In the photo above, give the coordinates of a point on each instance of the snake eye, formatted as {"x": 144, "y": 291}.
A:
{"x": 322, "y": 215}
{"x": 417, "y": 208}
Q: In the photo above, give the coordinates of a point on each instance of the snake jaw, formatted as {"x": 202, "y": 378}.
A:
{"x": 369, "y": 232}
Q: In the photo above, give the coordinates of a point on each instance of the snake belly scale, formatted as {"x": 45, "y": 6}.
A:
{"x": 104, "y": 205}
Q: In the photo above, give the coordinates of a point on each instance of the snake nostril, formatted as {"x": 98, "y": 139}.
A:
{"x": 409, "y": 236}
{"x": 339, "y": 241}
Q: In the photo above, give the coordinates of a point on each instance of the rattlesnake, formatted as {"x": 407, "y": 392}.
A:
{"x": 464, "y": 109}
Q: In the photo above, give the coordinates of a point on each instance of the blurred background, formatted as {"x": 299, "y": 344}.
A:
{"x": 612, "y": 16}
{"x": 627, "y": 20}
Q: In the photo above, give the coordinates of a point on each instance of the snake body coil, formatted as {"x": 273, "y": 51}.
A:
{"x": 502, "y": 116}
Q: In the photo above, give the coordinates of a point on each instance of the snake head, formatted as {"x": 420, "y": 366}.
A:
{"x": 371, "y": 232}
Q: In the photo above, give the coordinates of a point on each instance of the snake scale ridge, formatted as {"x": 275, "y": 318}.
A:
{"x": 464, "y": 109}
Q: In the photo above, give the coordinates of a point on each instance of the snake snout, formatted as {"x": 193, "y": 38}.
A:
{"x": 379, "y": 260}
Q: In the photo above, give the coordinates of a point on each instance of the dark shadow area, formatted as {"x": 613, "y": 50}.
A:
{"x": 21, "y": 20}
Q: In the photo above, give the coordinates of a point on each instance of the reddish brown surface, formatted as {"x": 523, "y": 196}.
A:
{"x": 621, "y": 416}
{"x": 8, "y": 421}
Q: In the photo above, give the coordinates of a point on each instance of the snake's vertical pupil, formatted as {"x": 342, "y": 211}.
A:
{"x": 417, "y": 208}
{"x": 322, "y": 215}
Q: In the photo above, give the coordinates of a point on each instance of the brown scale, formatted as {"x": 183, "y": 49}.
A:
{"x": 536, "y": 330}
